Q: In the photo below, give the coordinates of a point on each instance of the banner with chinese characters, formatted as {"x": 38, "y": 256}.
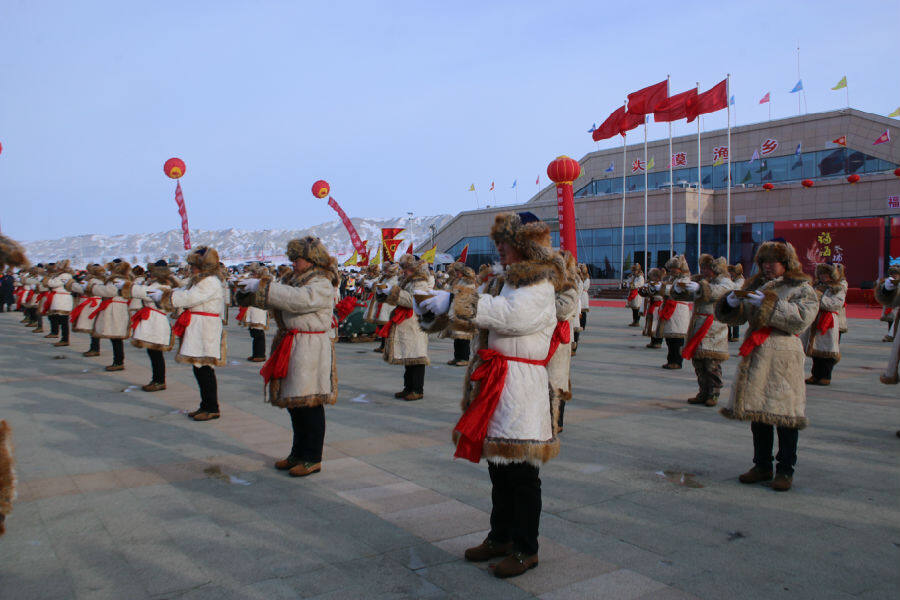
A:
{"x": 768, "y": 147}
{"x": 679, "y": 159}
{"x": 858, "y": 244}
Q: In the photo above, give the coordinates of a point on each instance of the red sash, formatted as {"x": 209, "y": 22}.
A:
{"x": 48, "y": 302}
{"x": 694, "y": 342}
{"x": 632, "y": 295}
{"x": 142, "y": 315}
{"x": 398, "y": 315}
{"x": 755, "y": 339}
{"x": 652, "y": 308}
{"x": 103, "y": 304}
{"x": 473, "y": 424}
{"x": 825, "y": 321}
{"x": 668, "y": 309}
{"x": 86, "y": 303}
{"x": 185, "y": 319}
{"x": 277, "y": 365}
{"x": 29, "y": 296}
{"x": 20, "y": 296}
{"x": 242, "y": 313}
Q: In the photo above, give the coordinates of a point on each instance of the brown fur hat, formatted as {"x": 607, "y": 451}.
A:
{"x": 531, "y": 240}
{"x": 408, "y": 261}
{"x": 61, "y": 266}
{"x": 782, "y": 252}
{"x": 836, "y": 271}
{"x": 736, "y": 270}
{"x": 204, "y": 258}
{"x": 678, "y": 262}
{"x": 719, "y": 265}
{"x": 636, "y": 268}
{"x": 390, "y": 270}
{"x": 312, "y": 249}
{"x": 118, "y": 268}
{"x": 654, "y": 274}
{"x": 160, "y": 271}
{"x": 96, "y": 270}
{"x": 461, "y": 271}
{"x": 583, "y": 271}
{"x": 137, "y": 270}
{"x": 11, "y": 253}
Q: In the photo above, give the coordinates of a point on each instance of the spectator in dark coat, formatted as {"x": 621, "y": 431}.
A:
{"x": 7, "y": 286}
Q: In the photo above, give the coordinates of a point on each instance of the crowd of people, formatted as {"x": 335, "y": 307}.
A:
{"x": 515, "y": 328}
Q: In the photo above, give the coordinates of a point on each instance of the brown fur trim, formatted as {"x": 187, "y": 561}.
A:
{"x": 719, "y": 265}
{"x": 149, "y": 346}
{"x": 533, "y": 452}
{"x": 705, "y": 291}
{"x": 394, "y": 296}
{"x": 883, "y": 296}
{"x": 204, "y": 258}
{"x": 789, "y": 278}
{"x": 766, "y": 308}
{"x": 529, "y": 272}
{"x": 699, "y": 353}
{"x": 125, "y": 292}
{"x": 822, "y": 354}
{"x": 835, "y": 271}
{"x": 678, "y": 262}
{"x": 765, "y": 417}
{"x": 532, "y": 240}
{"x": 118, "y": 270}
{"x": 736, "y": 270}
{"x": 305, "y": 401}
{"x": 465, "y": 306}
{"x": 7, "y": 473}
{"x": 437, "y": 325}
{"x": 165, "y": 303}
{"x": 206, "y": 361}
{"x": 782, "y": 252}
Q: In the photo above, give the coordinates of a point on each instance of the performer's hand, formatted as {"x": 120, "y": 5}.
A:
{"x": 249, "y": 285}
{"x": 889, "y": 284}
{"x": 755, "y": 297}
{"x": 732, "y": 300}
{"x": 692, "y": 286}
{"x": 679, "y": 286}
{"x": 155, "y": 295}
{"x": 438, "y": 304}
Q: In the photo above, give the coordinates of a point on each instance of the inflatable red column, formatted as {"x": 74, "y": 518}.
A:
{"x": 563, "y": 171}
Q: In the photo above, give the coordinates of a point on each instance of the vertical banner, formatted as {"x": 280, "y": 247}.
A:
{"x": 354, "y": 237}
{"x": 182, "y": 211}
{"x": 563, "y": 172}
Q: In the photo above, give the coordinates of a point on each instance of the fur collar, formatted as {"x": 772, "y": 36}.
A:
{"x": 835, "y": 287}
{"x": 404, "y": 280}
{"x": 529, "y": 272}
{"x": 195, "y": 279}
{"x": 302, "y": 279}
{"x": 790, "y": 278}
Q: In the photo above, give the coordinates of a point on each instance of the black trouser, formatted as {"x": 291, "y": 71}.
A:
{"x": 60, "y": 324}
{"x": 157, "y": 365}
{"x": 674, "y": 345}
{"x": 38, "y": 318}
{"x": 822, "y": 367}
{"x": 635, "y": 314}
{"x": 516, "y": 505}
{"x": 576, "y": 336}
{"x": 763, "y": 439}
{"x": 308, "y": 423}
{"x": 95, "y": 344}
{"x": 414, "y": 379}
{"x": 656, "y": 340}
{"x": 562, "y": 411}
{"x": 259, "y": 343}
{"x": 54, "y": 324}
{"x": 734, "y": 331}
{"x": 582, "y": 319}
{"x": 461, "y": 350}
{"x": 118, "y": 347}
{"x": 381, "y": 347}
{"x": 209, "y": 395}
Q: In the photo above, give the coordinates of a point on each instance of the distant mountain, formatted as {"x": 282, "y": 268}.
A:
{"x": 234, "y": 245}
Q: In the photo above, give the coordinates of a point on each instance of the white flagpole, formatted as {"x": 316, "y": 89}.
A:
{"x": 799, "y": 93}
{"x": 645, "y": 192}
{"x": 671, "y": 185}
{"x": 728, "y": 194}
{"x": 624, "y": 166}
{"x": 699, "y": 187}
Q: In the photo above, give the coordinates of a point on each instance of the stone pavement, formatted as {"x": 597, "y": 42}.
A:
{"x": 121, "y": 496}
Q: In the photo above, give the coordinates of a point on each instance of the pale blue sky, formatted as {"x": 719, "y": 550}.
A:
{"x": 399, "y": 105}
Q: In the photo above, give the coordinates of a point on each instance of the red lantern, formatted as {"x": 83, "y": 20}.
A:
{"x": 897, "y": 171}
{"x": 853, "y": 178}
{"x": 807, "y": 183}
{"x": 174, "y": 168}
{"x": 768, "y": 187}
{"x": 320, "y": 189}
{"x": 1, "y": 148}
{"x": 563, "y": 170}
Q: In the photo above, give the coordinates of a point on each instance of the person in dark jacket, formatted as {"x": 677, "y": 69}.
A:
{"x": 7, "y": 286}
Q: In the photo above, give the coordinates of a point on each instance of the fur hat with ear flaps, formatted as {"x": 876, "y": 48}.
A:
{"x": 313, "y": 250}
{"x": 836, "y": 271}
{"x": 408, "y": 261}
{"x": 96, "y": 270}
{"x": 532, "y": 241}
{"x": 678, "y": 262}
{"x": 636, "y": 268}
{"x": 118, "y": 269}
{"x": 782, "y": 252}
{"x": 11, "y": 253}
{"x": 204, "y": 258}
{"x": 654, "y": 274}
{"x": 719, "y": 265}
{"x": 736, "y": 269}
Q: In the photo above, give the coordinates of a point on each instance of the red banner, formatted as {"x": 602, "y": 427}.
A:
{"x": 858, "y": 244}
{"x": 354, "y": 237}
{"x": 565, "y": 206}
{"x": 182, "y": 211}
{"x": 390, "y": 248}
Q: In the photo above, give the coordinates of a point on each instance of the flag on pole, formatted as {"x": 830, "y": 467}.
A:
{"x": 471, "y": 188}
{"x": 428, "y": 255}
{"x": 593, "y": 128}
{"x": 182, "y": 212}
{"x": 409, "y": 248}
{"x": 712, "y": 100}
{"x": 754, "y": 157}
{"x": 611, "y": 167}
{"x": 764, "y": 99}
{"x": 629, "y": 121}
{"x": 610, "y": 126}
{"x": 492, "y": 187}
{"x": 674, "y": 107}
{"x": 348, "y": 225}
{"x": 350, "y": 262}
{"x": 645, "y": 101}
{"x": 464, "y": 254}
{"x": 798, "y": 87}
{"x": 840, "y": 84}
{"x": 841, "y": 141}
{"x": 798, "y": 150}
{"x": 718, "y": 162}
{"x": 513, "y": 186}
{"x": 895, "y": 113}
{"x": 538, "y": 180}
{"x": 651, "y": 163}
{"x": 731, "y": 100}
{"x": 883, "y": 138}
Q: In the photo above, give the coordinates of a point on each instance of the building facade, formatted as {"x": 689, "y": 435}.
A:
{"x": 833, "y": 220}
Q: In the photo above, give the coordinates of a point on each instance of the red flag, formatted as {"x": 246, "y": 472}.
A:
{"x": 645, "y": 101}
{"x": 409, "y": 248}
{"x": 390, "y": 248}
{"x": 182, "y": 211}
{"x": 391, "y": 233}
{"x": 841, "y": 141}
{"x": 538, "y": 180}
{"x": 354, "y": 237}
{"x": 610, "y": 126}
{"x": 674, "y": 107}
{"x": 764, "y": 98}
{"x": 464, "y": 254}
{"x": 713, "y": 99}
{"x": 883, "y": 138}
{"x": 629, "y": 122}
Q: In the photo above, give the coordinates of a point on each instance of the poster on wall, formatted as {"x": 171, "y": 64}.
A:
{"x": 858, "y": 244}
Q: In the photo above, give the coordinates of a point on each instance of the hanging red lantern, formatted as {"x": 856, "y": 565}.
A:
{"x": 853, "y": 178}
{"x": 897, "y": 171}
{"x": 1, "y": 148}
{"x": 320, "y": 189}
{"x": 174, "y": 168}
{"x": 807, "y": 183}
{"x": 768, "y": 187}
{"x": 563, "y": 171}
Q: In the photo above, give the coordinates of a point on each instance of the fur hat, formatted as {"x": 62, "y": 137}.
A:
{"x": 137, "y": 270}
{"x": 119, "y": 268}
{"x": 654, "y": 274}
{"x": 719, "y": 265}
{"x": 531, "y": 240}
{"x": 778, "y": 251}
{"x": 61, "y": 266}
{"x": 408, "y": 261}
{"x": 390, "y": 269}
{"x": 11, "y": 253}
{"x": 636, "y": 267}
{"x": 460, "y": 270}
{"x": 204, "y": 258}
{"x": 678, "y": 262}
{"x": 159, "y": 270}
{"x": 96, "y": 270}
{"x": 311, "y": 249}
{"x": 836, "y": 271}
{"x": 735, "y": 270}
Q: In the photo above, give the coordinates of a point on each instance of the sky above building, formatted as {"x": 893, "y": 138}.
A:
{"x": 399, "y": 105}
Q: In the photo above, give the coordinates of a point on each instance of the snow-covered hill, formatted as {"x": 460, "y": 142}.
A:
{"x": 234, "y": 245}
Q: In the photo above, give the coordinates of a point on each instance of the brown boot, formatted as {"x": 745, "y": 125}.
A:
{"x": 634, "y": 324}
{"x": 413, "y": 396}
{"x": 52, "y": 335}
{"x": 515, "y": 564}
{"x": 888, "y": 380}
{"x": 887, "y": 338}
{"x": 811, "y": 380}
{"x": 698, "y": 399}
{"x": 115, "y": 367}
{"x": 206, "y": 416}
{"x": 153, "y": 386}
{"x": 824, "y": 382}
{"x": 91, "y": 353}
{"x": 194, "y": 413}
{"x": 305, "y": 468}
{"x": 60, "y": 344}
{"x": 401, "y": 394}
{"x": 256, "y": 358}
{"x": 782, "y": 482}
{"x": 652, "y": 345}
{"x": 287, "y": 463}
{"x": 712, "y": 400}
{"x": 755, "y": 475}
{"x": 488, "y": 549}
{"x": 673, "y": 366}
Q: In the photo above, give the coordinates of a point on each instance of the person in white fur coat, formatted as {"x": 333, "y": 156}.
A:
{"x": 80, "y": 317}
{"x": 203, "y": 340}
{"x": 111, "y": 318}
{"x": 255, "y": 319}
{"x": 509, "y": 409}
{"x": 58, "y": 302}
{"x": 150, "y": 326}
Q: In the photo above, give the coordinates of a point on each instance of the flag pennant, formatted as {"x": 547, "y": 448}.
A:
{"x": 841, "y": 84}
{"x": 513, "y": 186}
{"x": 841, "y": 141}
{"x": 754, "y": 157}
{"x": 348, "y": 225}
{"x": 377, "y": 259}
{"x": 718, "y": 162}
{"x": 799, "y": 149}
{"x": 798, "y": 87}
{"x": 391, "y": 233}
{"x": 471, "y": 188}
{"x": 182, "y": 212}
{"x": 712, "y": 100}
{"x": 611, "y": 167}
{"x": 645, "y": 101}
{"x": 492, "y": 187}
{"x": 764, "y": 99}
{"x": 883, "y": 138}
{"x": 747, "y": 177}
{"x": 895, "y": 113}
{"x": 429, "y": 255}
{"x": 731, "y": 100}
{"x": 651, "y": 163}
{"x": 538, "y": 180}
{"x": 464, "y": 254}
{"x": 352, "y": 260}
{"x": 390, "y": 248}
{"x": 610, "y": 126}
{"x": 674, "y": 107}
{"x": 593, "y": 128}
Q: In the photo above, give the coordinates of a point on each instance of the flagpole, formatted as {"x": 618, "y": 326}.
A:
{"x": 624, "y": 165}
{"x": 798, "y": 77}
{"x": 728, "y": 194}
{"x": 646, "y": 263}
{"x": 671, "y": 186}
{"x": 699, "y": 186}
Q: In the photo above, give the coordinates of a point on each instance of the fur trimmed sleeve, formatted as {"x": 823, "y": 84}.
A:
{"x": 524, "y": 311}
{"x": 463, "y": 309}
{"x": 883, "y": 296}
{"x": 728, "y": 315}
{"x": 104, "y": 290}
{"x": 793, "y": 314}
{"x": 315, "y": 295}
{"x": 833, "y": 299}
{"x": 685, "y": 295}
{"x": 73, "y": 287}
{"x": 399, "y": 296}
{"x": 203, "y": 291}
{"x": 127, "y": 290}
{"x": 567, "y": 304}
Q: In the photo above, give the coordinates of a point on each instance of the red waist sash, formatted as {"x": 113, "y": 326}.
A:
{"x": 632, "y": 295}
{"x": 654, "y": 304}
{"x": 398, "y": 315}
{"x": 29, "y": 296}
{"x": 185, "y": 319}
{"x": 48, "y": 301}
{"x": 668, "y": 309}
{"x": 824, "y": 321}
{"x": 694, "y": 342}
{"x": 104, "y": 304}
{"x": 473, "y": 424}
{"x": 754, "y": 340}
{"x": 277, "y": 365}
{"x": 142, "y": 315}
{"x": 86, "y": 303}
{"x": 242, "y": 313}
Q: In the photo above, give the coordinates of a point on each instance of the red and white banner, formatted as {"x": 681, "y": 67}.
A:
{"x": 182, "y": 211}
{"x": 354, "y": 237}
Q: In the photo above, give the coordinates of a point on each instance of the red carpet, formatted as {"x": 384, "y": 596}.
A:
{"x": 854, "y": 311}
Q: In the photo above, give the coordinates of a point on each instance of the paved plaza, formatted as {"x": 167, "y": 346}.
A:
{"x": 122, "y": 497}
